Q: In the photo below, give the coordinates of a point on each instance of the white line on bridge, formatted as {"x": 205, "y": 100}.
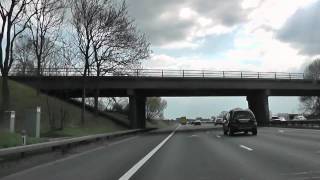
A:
{"x": 139, "y": 164}
{"x": 245, "y": 147}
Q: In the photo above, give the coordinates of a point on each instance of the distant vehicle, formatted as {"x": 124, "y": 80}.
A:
{"x": 197, "y": 122}
{"x": 183, "y": 120}
{"x": 239, "y": 120}
{"x": 218, "y": 121}
{"x": 277, "y": 118}
{"x": 282, "y": 119}
{"x": 299, "y": 118}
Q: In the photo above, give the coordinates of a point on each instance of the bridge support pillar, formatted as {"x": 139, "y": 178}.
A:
{"x": 258, "y": 103}
{"x": 137, "y": 114}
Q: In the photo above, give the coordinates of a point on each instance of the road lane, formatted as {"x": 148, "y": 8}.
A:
{"x": 201, "y": 157}
{"x": 280, "y": 155}
{"x": 204, "y": 156}
{"x": 196, "y": 152}
{"x": 139, "y": 164}
{"x": 108, "y": 162}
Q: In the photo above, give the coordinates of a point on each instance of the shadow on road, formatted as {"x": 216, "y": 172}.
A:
{"x": 186, "y": 129}
{"x": 238, "y": 135}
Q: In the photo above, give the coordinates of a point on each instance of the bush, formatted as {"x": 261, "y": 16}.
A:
{"x": 9, "y": 139}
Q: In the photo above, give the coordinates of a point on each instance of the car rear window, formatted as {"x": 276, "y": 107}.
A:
{"x": 243, "y": 115}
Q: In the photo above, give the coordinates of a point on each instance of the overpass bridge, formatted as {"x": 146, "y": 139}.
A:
{"x": 137, "y": 84}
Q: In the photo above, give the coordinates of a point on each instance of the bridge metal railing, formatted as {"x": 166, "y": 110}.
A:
{"x": 164, "y": 73}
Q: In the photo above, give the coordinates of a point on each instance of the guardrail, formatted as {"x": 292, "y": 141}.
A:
{"x": 314, "y": 124}
{"x": 66, "y": 143}
{"x": 164, "y": 73}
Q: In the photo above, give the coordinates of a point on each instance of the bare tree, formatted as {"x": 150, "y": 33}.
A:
{"x": 107, "y": 38}
{"x": 84, "y": 15}
{"x": 69, "y": 57}
{"x": 26, "y": 58}
{"x": 155, "y": 107}
{"x": 44, "y": 28}
{"x": 116, "y": 43}
{"x": 23, "y": 57}
{"x": 311, "y": 104}
{"x": 15, "y": 14}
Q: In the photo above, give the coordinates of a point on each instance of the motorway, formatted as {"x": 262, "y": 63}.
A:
{"x": 190, "y": 153}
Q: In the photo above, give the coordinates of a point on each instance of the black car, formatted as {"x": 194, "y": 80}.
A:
{"x": 197, "y": 122}
{"x": 239, "y": 120}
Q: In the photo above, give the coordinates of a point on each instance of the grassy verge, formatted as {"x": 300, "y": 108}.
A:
{"x": 14, "y": 139}
{"x": 54, "y": 111}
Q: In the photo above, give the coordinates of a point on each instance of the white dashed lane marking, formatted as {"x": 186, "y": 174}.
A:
{"x": 245, "y": 147}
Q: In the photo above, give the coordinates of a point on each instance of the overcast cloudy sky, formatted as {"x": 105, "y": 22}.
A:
{"x": 257, "y": 35}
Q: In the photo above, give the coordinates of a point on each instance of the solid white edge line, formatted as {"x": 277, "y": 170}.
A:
{"x": 139, "y": 164}
{"x": 245, "y": 147}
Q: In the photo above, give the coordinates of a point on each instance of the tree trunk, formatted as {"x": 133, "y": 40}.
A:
{"x": 5, "y": 98}
{"x": 96, "y": 101}
{"x": 38, "y": 71}
{"x": 38, "y": 65}
{"x": 83, "y": 106}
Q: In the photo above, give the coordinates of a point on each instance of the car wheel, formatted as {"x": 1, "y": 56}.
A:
{"x": 254, "y": 132}
{"x": 225, "y": 132}
{"x": 230, "y": 132}
{"x": 245, "y": 132}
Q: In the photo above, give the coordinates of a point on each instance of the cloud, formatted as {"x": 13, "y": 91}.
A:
{"x": 182, "y": 21}
{"x": 301, "y": 30}
{"x": 259, "y": 52}
{"x": 190, "y": 34}
{"x": 272, "y": 14}
{"x": 163, "y": 61}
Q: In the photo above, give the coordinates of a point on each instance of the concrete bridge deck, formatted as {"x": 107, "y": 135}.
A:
{"x": 139, "y": 84}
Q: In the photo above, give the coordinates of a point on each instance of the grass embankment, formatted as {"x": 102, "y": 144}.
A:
{"x": 14, "y": 139}
{"x": 54, "y": 113}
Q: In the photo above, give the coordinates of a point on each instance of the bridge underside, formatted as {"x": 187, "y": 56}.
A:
{"x": 138, "y": 88}
{"x": 257, "y": 100}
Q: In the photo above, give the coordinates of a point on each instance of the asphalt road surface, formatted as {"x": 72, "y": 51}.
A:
{"x": 192, "y": 152}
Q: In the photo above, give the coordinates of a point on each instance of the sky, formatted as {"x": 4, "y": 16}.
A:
{"x": 255, "y": 35}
